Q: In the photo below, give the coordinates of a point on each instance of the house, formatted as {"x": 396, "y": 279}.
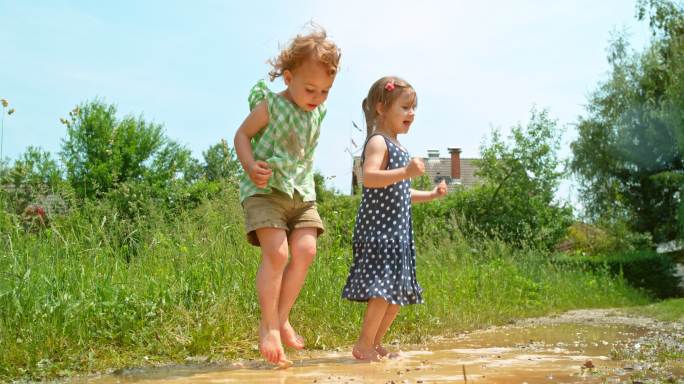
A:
{"x": 457, "y": 171}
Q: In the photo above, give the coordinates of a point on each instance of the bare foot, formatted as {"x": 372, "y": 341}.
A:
{"x": 284, "y": 364}
{"x": 270, "y": 346}
{"x": 365, "y": 353}
{"x": 382, "y": 351}
{"x": 290, "y": 337}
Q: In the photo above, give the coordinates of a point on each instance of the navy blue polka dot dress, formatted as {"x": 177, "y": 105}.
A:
{"x": 384, "y": 264}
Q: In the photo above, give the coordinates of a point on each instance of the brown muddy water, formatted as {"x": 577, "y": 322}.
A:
{"x": 577, "y": 347}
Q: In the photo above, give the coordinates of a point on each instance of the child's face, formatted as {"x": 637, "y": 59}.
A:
{"x": 399, "y": 116}
{"x": 308, "y": 85}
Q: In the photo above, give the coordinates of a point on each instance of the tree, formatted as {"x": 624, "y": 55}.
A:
{"x": 34, "y": 168}
{"x": 520, "y": 178}
{"x": 514, "y": 201}
{"x": 629, "y": 153}
{"x": 101, "y": 151}
{"x": 33, "y": 184}
{"x": 321, "y": 187}
{"x": 220, "y": 162}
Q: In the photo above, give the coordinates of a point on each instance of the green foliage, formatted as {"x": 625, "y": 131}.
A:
{"x": 422, "y": 183}
{"x": 220, "y": 162}
{"x": 101, "y": 151}
{"x": 520, "y": 177}
{"x": 467, "y": 209}
{"x": 644, "y": 269}
{"x": 73, "y": 299}
{"x": 606, "y": 238}
{"x": 34, "y": 178}
{"x": 338, "y": 213}
{"x": 514, "y": 203}
{"x": 666, "y": 310}
{"x": 34, "y": 167}
{"x": 680, "y": 213}
{"x": 629, "y": 153}
{"x": 320, "y": 186}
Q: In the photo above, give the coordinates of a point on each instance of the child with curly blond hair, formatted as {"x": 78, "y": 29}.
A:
{"x": 275, "y": 145}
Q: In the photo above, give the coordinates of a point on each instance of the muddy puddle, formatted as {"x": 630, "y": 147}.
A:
{"x": 566, "y": 349}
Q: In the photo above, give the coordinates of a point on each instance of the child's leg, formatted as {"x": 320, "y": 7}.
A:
{"x": 273, "y": 242}
{"x": 387, "y": 320}
{"x": 303, "y": 249}
{"x": 375, "y": 312}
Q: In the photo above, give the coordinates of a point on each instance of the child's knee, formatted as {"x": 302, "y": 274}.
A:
{"x": 304, "y": 254}
{"x": 275, "y": 258}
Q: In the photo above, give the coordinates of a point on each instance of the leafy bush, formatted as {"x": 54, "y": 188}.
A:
{"x": 515, "y": 200}
{"x": 101, "y": 151}
{"x": 645, "y": 269}
{"x": 532, "y": 223}
{"x": 32, "y": 190}
{"x": 603, "y": 239}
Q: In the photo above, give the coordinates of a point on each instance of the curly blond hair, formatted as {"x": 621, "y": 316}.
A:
{"x": 314, "y": 45}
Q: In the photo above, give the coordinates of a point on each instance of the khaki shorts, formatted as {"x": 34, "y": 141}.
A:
{"x": 278, "y": 210}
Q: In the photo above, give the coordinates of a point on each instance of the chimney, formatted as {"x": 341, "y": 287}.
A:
{"x": 455, "y": 163}
{"x": 433, "y": 156}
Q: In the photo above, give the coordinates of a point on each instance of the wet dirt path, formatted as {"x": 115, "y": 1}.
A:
{"x": 576, "y": 347}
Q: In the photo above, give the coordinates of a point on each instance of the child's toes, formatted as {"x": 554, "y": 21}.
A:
{"x": 284, "y": 363}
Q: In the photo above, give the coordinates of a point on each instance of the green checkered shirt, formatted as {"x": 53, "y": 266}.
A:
{"x": 287, "y": 144}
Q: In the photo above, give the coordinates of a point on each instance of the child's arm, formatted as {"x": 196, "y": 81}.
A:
{"x": 258, "y": 171}
{"x": 374, "y": 173}
{"x": 421, "y": 196}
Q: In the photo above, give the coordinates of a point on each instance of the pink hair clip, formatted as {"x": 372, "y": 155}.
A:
{"x": 389, "y": 87}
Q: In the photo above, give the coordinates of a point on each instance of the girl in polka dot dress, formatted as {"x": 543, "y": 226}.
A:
{"x": 383, "y": 272}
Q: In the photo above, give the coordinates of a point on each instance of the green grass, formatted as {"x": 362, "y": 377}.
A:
{"x": 666, "y": 310}
{"x": 643, "y": 268}
{"x": 95, "y": 291}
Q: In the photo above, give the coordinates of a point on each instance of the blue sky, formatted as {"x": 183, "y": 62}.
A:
{"x": 189, "y": 65}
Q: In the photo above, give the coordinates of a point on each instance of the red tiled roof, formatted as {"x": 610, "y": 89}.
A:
{"x": 435, "y": 169}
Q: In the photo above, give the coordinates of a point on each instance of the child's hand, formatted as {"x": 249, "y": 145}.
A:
{"x": 440, "y": 190}
{"x": 415, "y": 168}
{"x": 259, "y": 173}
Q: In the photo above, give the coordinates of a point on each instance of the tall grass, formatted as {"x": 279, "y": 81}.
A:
{"x": 96, "y": 291}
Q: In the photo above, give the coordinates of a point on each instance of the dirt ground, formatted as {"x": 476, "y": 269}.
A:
{"x": 581, "y": 346}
